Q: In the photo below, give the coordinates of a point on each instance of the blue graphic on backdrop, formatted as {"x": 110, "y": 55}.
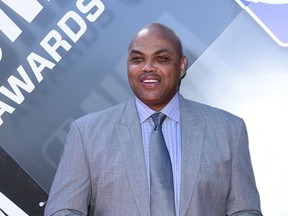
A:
{"x": 271, "y": 15}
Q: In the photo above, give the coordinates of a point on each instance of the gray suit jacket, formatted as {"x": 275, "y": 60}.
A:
{"x": 103, "y": 165}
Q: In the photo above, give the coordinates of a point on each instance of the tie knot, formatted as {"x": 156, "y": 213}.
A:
{"x": 158, "y": 119}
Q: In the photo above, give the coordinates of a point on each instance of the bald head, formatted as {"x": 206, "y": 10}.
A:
{"x": 160, "y": 30}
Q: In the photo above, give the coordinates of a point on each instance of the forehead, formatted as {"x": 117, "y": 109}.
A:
{"x": 153, "y": 41}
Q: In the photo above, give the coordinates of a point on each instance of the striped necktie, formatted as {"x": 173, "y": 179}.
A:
{"x": 161, "y": 177}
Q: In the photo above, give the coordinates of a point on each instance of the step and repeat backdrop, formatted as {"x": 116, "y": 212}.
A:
{"x": 60, "y": 60}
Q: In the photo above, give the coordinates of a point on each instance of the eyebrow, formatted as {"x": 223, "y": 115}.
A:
{"x": 157, "y": 52}
{"x": 162, "y": 50}
{"x": 136, "y": 51}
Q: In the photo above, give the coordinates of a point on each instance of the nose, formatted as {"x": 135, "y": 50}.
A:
{"x": 149, "y": 66}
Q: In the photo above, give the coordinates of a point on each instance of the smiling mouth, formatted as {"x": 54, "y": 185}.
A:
{"x": 150, "y": 81}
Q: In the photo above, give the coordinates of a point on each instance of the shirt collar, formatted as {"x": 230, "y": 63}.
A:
{"x": 171, "y": 110}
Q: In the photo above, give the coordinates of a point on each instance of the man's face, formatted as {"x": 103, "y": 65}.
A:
{"x": 155, "y": 67}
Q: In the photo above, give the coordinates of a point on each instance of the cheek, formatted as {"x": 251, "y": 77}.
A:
{"x": 173, "y": 77}
{"x": 132, "y": 70}
{"x": 132, "y": 78}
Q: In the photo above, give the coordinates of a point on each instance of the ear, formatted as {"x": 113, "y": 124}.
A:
{"x": 183, "y": 65}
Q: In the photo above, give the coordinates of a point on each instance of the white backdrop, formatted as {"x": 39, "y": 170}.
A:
{"x": 246, "y": 73}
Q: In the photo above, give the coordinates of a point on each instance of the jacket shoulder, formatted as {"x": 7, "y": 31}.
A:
{"x": 107, "y": 115}
{"x": 210, "y": 114}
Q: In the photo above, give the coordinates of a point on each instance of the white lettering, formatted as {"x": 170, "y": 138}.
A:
{"x": 72, "y": 24}
{"x": 32, "y": 59}
{"x": 86, "y": 8}
{"x": 52, "y": 50}
{"x": 74, "y": 36}
{"x": 8, "y": 27}
{"x": 9, "y": 207}
{"x": 20, "y": 7}
{"x": 5, "y": 108}
{"x": 15, "y": 83}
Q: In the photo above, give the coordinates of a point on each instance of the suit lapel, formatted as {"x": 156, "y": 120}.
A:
{"x": 129, "y": 136}
{"x": 192, "y": 136}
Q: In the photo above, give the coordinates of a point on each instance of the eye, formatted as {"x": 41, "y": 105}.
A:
{"x": 162, "y": 59}
{"x": 136, "y": 59}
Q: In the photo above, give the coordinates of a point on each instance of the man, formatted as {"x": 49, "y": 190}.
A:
{"x": 106, "y": 165}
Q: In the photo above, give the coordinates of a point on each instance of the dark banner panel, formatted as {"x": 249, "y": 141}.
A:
{"x": 19, "y": 193}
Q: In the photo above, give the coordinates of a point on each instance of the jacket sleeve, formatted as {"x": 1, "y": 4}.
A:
{"x": 71, "y": 188}
{"x": 243, "y": 199}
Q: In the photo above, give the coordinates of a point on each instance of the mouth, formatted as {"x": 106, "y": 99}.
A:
{"x": 149, "y": 78}
{"x": 150, "y": 81}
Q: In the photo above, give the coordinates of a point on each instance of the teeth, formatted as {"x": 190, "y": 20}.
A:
{"x": 150, "y": 81}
